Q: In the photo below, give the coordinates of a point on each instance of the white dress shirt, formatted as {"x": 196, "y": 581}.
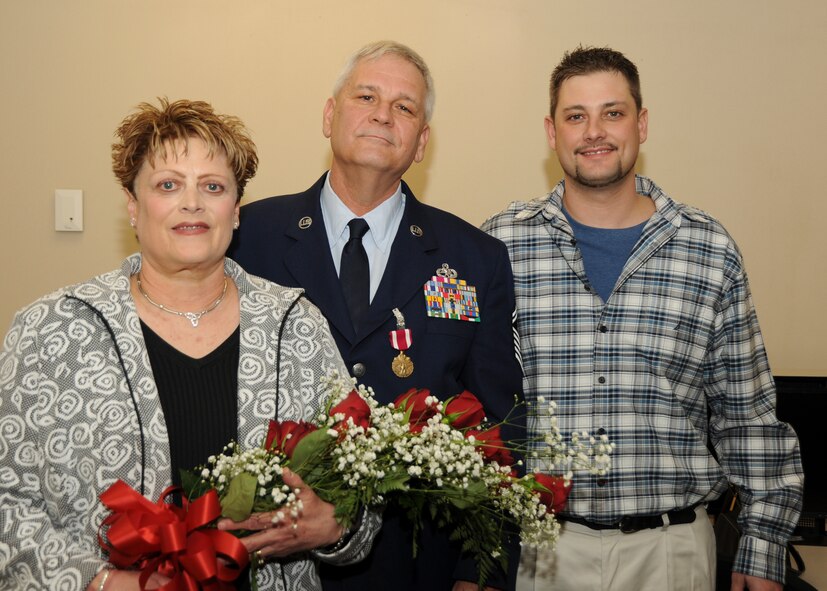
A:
{"x": 383, "y": 221}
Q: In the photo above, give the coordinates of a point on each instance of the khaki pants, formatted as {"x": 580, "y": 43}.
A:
{"x": 672, "y": 558}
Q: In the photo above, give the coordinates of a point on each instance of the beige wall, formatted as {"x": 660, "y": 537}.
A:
{"x": 735, "y": 90}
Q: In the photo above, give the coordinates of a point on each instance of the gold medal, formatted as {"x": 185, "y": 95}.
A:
{"x": 402, "y": 365}
{"x": 400, "y": 340}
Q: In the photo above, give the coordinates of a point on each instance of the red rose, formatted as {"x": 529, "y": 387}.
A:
{"x": 553, "y": 491}
{"x": 490, "y": 443}
{"x": 414, "y": 401}
{"x": 464, "y": 411}
{"x": 284, "y": 436}
{"x": 353, "y": 407}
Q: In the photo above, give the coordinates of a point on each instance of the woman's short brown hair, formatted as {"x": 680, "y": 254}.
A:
{"x": 144, "y": 135}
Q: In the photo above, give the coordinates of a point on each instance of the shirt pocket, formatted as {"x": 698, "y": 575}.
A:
{"x": 675, "y": 332}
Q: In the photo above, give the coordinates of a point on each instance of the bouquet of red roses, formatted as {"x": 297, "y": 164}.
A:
{"x": 429, "y": 457}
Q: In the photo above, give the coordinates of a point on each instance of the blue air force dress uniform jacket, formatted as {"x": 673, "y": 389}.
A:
{"x": 284, "y": 239}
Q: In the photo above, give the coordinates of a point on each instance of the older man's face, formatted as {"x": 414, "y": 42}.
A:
{"x": 377, "y": 121}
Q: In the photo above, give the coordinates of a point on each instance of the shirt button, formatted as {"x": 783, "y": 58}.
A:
{"x": 602, "y": 328}
{"x": 602, "y": 482}
{"x": 600, "y": 380}
{"x": 587, "y": 287}
{"x": 601, "y": 431}
{"x": 358, "y": 370}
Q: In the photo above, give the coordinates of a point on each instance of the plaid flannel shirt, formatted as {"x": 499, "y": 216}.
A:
{"x": 673, "y": 360}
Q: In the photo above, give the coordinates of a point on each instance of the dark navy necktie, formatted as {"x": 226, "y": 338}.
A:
{"x": 354, "y": 272}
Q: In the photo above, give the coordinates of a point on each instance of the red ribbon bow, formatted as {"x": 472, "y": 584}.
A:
{"x": 172, "y": 540}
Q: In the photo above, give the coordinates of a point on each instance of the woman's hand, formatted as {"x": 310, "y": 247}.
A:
{"x": 125, "y": 580}
{"x": 314, "y": 527}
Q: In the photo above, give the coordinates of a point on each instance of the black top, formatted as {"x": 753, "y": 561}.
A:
{"x": 199, "y": 398}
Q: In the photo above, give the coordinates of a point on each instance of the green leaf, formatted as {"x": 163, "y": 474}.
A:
{"x": 346, "y": 510}
{"x": 466, "y": 498}
{"x": 397, "y": 481}
{"x": 237, "y": 503}
{"x": 192, "y": 484}
{"x": 309, "y": 451}
{"x": 407, "y": 415}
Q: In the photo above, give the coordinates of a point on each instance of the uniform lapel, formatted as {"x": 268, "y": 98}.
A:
{"x": 410, "y": 265}
{"x": 309, "y": 261}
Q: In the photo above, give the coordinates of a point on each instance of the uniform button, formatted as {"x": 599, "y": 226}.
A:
{"x": 601, "y": 380}
{"x": 359, "y": 370}
{"x": 602, "y": 482}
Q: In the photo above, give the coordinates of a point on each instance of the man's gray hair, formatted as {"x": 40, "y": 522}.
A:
{"x": 378, "y": 49}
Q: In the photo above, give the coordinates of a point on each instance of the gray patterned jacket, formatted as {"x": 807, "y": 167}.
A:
{"x": 79, "y": 409}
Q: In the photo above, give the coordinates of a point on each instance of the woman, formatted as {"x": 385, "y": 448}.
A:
{"x": 151, "y": 368}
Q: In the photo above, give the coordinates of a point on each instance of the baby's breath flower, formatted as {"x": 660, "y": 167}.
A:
{"x": 438, "y": 462}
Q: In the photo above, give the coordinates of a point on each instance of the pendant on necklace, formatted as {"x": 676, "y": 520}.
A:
{"x": 193, "y": 318}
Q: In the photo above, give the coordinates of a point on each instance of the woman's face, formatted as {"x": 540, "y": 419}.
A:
{"x": 184, "y": 208}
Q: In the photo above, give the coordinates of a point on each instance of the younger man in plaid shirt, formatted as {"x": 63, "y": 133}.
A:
{"x": 635, "y": 317}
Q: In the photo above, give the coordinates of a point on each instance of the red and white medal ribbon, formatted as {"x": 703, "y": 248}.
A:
{"x": 400, "y": 338}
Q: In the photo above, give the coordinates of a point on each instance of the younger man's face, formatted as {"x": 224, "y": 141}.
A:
{"x": 596, "y": 129}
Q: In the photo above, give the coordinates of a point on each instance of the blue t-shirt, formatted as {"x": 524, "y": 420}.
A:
{"x": 605, "y": 251}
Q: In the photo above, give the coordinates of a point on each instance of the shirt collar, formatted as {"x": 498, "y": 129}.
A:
{"x": 383, "y": 219}
{"x": 551, "y": 206}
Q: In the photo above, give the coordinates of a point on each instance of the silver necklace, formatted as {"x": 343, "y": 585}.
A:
{"x": 193, "y": 317}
